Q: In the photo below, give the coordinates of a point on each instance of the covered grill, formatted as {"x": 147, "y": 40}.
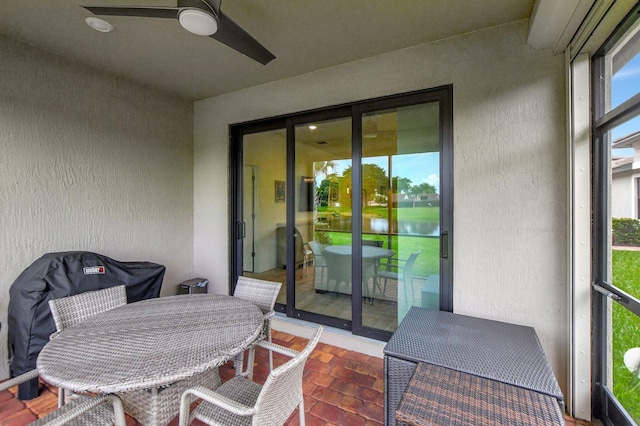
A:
{"x": 57, "y": 275}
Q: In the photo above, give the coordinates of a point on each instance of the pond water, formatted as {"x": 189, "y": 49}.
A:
{"x": 375, "y": 225}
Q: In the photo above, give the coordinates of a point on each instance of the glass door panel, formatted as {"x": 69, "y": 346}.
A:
{"x": 326, "y": 201}
{"x": 617, "y": 197}
{"x": 624, "y": 228}
{"x": 400, "y": 213}
{"x": 264, "y": 207}
{"x": 323, "y": 217}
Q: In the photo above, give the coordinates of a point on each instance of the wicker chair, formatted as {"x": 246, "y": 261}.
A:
{"x": 263, "y": 294}
{"x": 71, "y": 310}
{"x": 90, "y": 411}
{"x": 398, "y": 270}
{"x": 240, "y": 401}
{"x": 319, "y": 262}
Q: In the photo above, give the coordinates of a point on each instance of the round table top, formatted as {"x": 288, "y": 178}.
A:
{"x": 368, "y": 252}
{"x": 150, "y": 343}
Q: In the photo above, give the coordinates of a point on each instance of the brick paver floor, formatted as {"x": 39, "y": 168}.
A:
{"x": 340, "y": 387}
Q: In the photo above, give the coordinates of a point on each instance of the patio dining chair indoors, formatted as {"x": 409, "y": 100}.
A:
{"x": 90, "y": 411}
{"x": 398, "y": 270}
{"x": 241, "y": 401}
{"x": 319, "y": 261}
{"x": 71, "y": 310}
{"x": 263, "y": 294}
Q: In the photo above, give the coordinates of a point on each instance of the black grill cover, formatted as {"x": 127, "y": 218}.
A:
{"x": 57, "y": 275}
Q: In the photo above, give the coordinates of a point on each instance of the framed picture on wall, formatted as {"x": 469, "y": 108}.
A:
{"x": 280, "y": 191}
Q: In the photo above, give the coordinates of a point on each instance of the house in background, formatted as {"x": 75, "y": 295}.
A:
{"x": 625, "y": 187}
{"x": 119, "y": 143}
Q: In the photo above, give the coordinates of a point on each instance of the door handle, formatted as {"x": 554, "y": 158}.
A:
{"x": 444, "y": 245}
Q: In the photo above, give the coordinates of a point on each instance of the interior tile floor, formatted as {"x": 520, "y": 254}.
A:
{"x": 382, "y": 312}
{"x": 340, "y": 387}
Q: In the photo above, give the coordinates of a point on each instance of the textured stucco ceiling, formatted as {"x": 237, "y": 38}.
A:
{"x": 305, "y": 35}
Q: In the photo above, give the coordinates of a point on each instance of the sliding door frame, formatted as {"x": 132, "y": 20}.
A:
{"x": 444, "y": 96}
{"x": 605, "y": 405}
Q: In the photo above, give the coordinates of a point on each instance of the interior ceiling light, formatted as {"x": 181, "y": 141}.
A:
{"x": 99, "y": 24}
{"x": 198, "y": 22}
{"x": 312, "y": 127}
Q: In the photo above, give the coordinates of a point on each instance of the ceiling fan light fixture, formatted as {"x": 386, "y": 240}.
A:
{"x": 99, "y": 24}
{"x": 198, "y": 22}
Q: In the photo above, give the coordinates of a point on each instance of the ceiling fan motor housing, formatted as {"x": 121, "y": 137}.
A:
{"x": 198, "y": 17}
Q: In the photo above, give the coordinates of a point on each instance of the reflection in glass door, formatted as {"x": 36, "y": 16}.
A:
{"x": 616, "y": 299}
{"x": 348, "y": 207}
{"x": 264, "y": 207}
{"x": 323, "y": 217}
{"x": 400, "y": 212}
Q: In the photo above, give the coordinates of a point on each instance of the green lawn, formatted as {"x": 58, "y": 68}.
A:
{"x": 626, "y": 330}
{"x": 428, "y": 214}
{"x": 427, "y": 263}
{"x": 429, "y": 260}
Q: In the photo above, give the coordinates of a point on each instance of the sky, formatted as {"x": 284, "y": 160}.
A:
{"x": 419, "y": 168}
{"x": 625, "y": 84}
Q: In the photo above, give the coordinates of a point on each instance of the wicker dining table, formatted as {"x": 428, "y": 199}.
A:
{"x": 150, "y": 351}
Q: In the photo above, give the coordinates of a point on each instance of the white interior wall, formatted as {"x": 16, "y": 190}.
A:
{"x": 90, "y": 162}
{"x": 510, "y": 161}
{"x": 267, "y": 151}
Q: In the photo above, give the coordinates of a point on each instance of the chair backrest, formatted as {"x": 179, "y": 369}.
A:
{"x": 282, "y": 391}
{"x": 261, "y": 293}
{"x": 71, "y": 310}
{"x": 318, "y": 252}
{"x": 407, "y": 273}
{"x": 90, "y": 411}
{"x": 373, "y": 243}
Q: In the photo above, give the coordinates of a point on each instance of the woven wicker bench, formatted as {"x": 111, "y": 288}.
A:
{"x": 441, "y": 396}
{"x": 492, "y": 350}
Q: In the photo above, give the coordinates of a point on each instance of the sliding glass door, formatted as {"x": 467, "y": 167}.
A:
{"x": 260, "y": 219}
{"x": 400, "y": 187}
{"x": 350, "y": 208}
{"x": 323, "y": 213}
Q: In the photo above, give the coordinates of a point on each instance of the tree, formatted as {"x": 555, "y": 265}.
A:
{"x": 323, "y": 167}
{"x": 401, "y": 184}
{"x": 374, "y": 178}
{"x": 423, "y": 188}
{"x": 322, "y": 193}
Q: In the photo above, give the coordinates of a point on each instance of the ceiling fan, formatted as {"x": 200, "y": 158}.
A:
{"x": 201, "y": 17}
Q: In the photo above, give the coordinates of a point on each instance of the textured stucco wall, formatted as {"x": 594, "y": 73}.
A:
{"x": 510, "y": 202}
{"x": 90, "y": 162}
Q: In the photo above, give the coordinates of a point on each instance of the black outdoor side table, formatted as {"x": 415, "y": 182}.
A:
{"x": 493, "y": 350}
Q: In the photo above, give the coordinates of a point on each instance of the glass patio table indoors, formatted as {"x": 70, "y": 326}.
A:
{"x": 150, "y": 351}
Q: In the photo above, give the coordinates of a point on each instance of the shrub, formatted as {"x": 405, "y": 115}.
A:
{"x": 626, "y": 232}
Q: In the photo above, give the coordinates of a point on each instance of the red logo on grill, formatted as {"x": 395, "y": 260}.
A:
{"x": 92, "y": 270}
